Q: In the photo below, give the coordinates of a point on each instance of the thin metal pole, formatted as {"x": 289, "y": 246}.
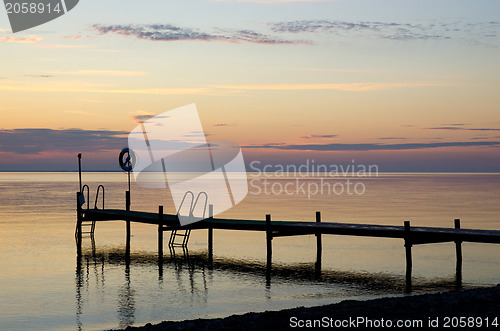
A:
{"x": 80, "y": 169}
{"x": 128, "y": 180}
{"x": 408, "y": 245}
{"x": 319, "y": 245}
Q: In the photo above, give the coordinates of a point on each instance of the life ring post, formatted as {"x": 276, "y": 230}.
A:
{"x": 126, "y": 161}
{"x": 80, "y": 170}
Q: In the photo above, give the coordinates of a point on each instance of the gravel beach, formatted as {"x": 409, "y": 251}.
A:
{"x": 474, "y": 309}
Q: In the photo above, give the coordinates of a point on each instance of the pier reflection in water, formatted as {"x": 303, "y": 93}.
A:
{"x": 187, "y": 285}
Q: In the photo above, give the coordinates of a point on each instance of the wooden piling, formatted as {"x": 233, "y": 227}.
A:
{"x": 269, "y": 238}
{"x": 127, "y": 222}
{"x": 127, "y": 200}
{"x": 210, "y": 235}
{"x": 408, "y": 245}
{"x": 160, "y": 233}
{"x": 78, "y": 225}
{"x": 319, "y": 246}
{"x": 458, "y": 249}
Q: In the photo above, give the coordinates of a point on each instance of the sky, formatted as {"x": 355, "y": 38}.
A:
{"x": 408, "y": 85}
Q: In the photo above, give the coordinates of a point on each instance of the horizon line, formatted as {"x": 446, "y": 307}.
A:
{"x": 383, "y": 172}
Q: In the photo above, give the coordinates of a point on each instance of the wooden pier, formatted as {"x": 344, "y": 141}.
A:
{"x": 169, "y": 222}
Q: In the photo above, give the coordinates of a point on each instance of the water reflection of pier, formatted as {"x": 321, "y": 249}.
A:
{"x": 194, "y": 274}
{"x": 91, "y": 269}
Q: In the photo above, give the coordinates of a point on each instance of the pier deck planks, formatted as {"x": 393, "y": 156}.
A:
{"x": 418, "y": 235}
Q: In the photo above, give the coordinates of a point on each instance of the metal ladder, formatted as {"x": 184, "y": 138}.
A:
{"x": 185, "y": 233}
{"x": 85, "y": 223}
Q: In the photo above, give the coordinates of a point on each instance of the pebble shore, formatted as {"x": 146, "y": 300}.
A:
{"x": 478, "y": 308}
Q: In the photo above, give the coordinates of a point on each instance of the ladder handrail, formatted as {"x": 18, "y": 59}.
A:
{"x": 196, "y": 202}
{"x": 83, "y": 222}
{"x": 88, "y": 194}
{"x": 97, "y": 196}
{"x": 182, "y": 202}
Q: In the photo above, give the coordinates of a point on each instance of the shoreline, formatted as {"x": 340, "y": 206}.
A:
{"x": 479, "y": 307}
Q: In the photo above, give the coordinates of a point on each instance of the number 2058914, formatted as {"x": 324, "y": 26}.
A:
{"x": 32, "y": 8}
{"x": 470, "y": 322}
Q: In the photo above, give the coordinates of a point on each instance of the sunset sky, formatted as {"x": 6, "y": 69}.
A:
{"x": 410, "y": 85}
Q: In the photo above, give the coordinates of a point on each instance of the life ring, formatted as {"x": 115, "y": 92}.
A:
{"x": 126, "y": 164}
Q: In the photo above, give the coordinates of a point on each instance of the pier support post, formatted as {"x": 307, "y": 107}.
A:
{"x": 127, "y": 208}
{"x": 319, "y": 246}
{"x": 160, "y": 233}
{"x": 269, "y": 238}
{"x": 458, "y": 248}
{"x": 127, "y": 200}
{"x": 408, "y": 245}
{"x": 78, "y": 233}
{"x": 210, "y": 235}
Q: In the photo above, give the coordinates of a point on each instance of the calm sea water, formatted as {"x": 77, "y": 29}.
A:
{"x": 44, "y": 286}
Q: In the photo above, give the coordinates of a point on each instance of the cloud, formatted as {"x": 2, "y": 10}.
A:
{"x": 224, "y": 124}
{"x": 350, "y": 87}
{"x": 113, "y": 73}
{"x": 480, "y": 33}
{"x": 21, "y": 40}
{"x": 38, "y": 140}
{"x": 455, "y": 128}
{"x": 382, "y": 30}
{"x": 156, "y": 32}
{"x": 333, "y": 69}
{"x": 151, "y": 91}
{"x": 142, "y": 116}
{"x": 353, "y": 87}
{"x": 483, "y": 138}
{"x": 168, "y": 32}
{"x": 258, "y": 38}
{"x": 66, "y": 46}
{"x": 319, "y": 136}
{"x": 372, "y": 147}
{"x": 77, "y": 37}
{"x": 39, "y": 76}
{"x": 393, "y": 138}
